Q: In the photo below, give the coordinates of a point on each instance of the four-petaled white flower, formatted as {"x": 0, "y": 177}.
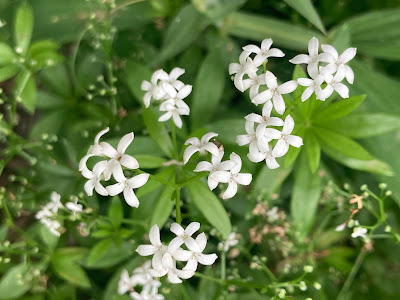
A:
{"x": 286, "y": 139}
{"x": 197, "y": 255}
{"x": 55, "y": 202}
{"x": 312, "y": 59}
{"x": 230, "y": 242}
{"x": 336, "y": 61}
{"x": 126, "y": 186}
{"x": 174, "y": 109}
{"x": 52, "y": 225}
{"x": 253, "y": 82}
{"x": 94, "y": 150}
{"x": 275, "y": 92}
{"x": 268, "y": 154}
{"x": 153, "y": 88}
{"x": 184, "y": 236}
{"x": 313, "y": 86}
{"x": 95, "y": 177}
{"x": 359, "y": 232}
{"x": 125, "y": 283}
{"x": 263, "y": 53}
{"x": 74, "y": 207}
{"x": 334, "y": 83}
{"x": 173, "y": 78}
{"x": 245, "y": 66}
{"x": 202, "y": 146}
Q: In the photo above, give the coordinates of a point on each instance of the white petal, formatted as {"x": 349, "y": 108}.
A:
{"x": 173, "y": 278}
{"x": 167, "y": 261}
{"x": 221, "y": 176}
{"x": 330, "y": 50}
{"x": 280, "y": 149}
{"x": 212, "y": 183}
{"x": 271, "y": 163}
{"x": 266, "y": 44}
{"x": 267, "y": 109}
{"x": 191, "y": 244}
{"x": 184, "y": 92}
{"x": 245, "y": 139}
{"x": 98, "y": 168}
{"x": 349, "y": 74}
{"x": 243, "y": 57}
{"x": 211, "y": 148}
{"x": 203, "y": 166}
{"x": 115, "y": 189}
{"x": 193, "y": 141}
{"x": 288, "y": 126}
{"x": 175, "y": 73}
{"x": 238, "y": 81}
{"x": 275, "y": 121}
{"x": 147, "y": 99}
{"x": 226, "y": 165}
{"x": 272, "y": 134}
{"x": 100, "y": 189}
{"x": 307, "y": 93}
{"x": 236, "y": 158}
{"x": 129, "y": 162}
{"x": 177, "y": 120}
{"x": 294, "y": 140}
{"x": 260, "y": 131}
{"x": 154, "y": 236}
{"x": 118, "y": 173}
{"x": 192, "y": 228}
{"x": 313, "y": 47}
{"x": 208, "y": 136}
{"x": 201, "y": 241}
{"x": 243, "y": 178}
{"x": 175, "y": 243}
{"x": 287, "y": 87}
{"x": 146, "y": 250}
{"x": 279, "y": 104}
{"x": 270, "y": 80}
{"x": 145, "y": 86}
{"x": 341, "y": 73}
{"x": 342, "y": 90}
{"x": 181, "y": 255}
{"x": 300, "y": 59}
{"x": 230, "y": 191}
{"x": 169, "y": 89}
{"x": 130, "y": 197}
{"x": 109, "y": 150}
{"x": 100, "y": 134}
{"x": 207, "y": 259}
{"x": 234, "y": 68}
{"x": 263, "y": 97}
{"x": 305, "y": 81}
{"x": 275, "y": 52}
{"x": 347, "y": 55}
{"x": 312, "y": 69}
{"x": 252, "y": 48}
{"x": 259, "y": 59}
{"x": 88, "y": 187}
{"x": 177, "y": 229}
{"x": 82, "y": 163}
{"x": 189, "y": 151}
{"x": 254, "y": 118}
{"x": 138, "y": 180}
{"x": 125, "y": 142}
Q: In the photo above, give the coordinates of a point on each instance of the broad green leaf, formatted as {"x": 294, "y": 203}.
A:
{"x": 57, "y": 80}
{"x": 305, "y": 196}
{"x": 115, "y": 211}
{"x": 23, "y": 27}
{"x": 42, "y": 46}
{"x": 49, "y": 239}
{"x": 365, "y": 125}
{"x": 135, "y": 73}
{"x": 150, "y": 161}
{"x": 268, "y": 182}
{"x": 372, "y": 166}
{"x": 98, "y": 251}
{"x": 338, "y": 109}
{"x": 208, "y": 89}
{"x": 210, "y": 206}
{"x": 7, "y": 55}
{"x": 158, "y": 131}
{"x": 313, "y": 150}
{"x": 342, "y": 144}
{"x": 13, "y": 283}
{"x": 46, "y": 100}
{"x": 3, "y": 233}
{"x": 28, "y": 95}
{"x": 152, "y": 184}
{"x": 183, "y": 29}
{"x": 294, "y": 152}
{"x": 163, "y": 207}
{"x": 308, "y": 11}
{"x": 7, "y": 72}
{"x": 255, "y": 27}
{"x": 64, "y": 262}
{"x": 216, "y": 10}
{"x": 228, "y": 129}
{"x": 113, "y": 256}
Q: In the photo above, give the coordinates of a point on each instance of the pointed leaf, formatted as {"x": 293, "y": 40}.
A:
{"x": 163, "y": 207}
{"x": 12, "y": 283}
{"x": 98, "y": 251}
{"x": 7, "y": 54}
{"x": 23, "y": 27}
{"x": 308, "y": 11}
{"x": 115, "y": 212}
{"x": 313, "y": 150}
{"x": 28, "y": 95}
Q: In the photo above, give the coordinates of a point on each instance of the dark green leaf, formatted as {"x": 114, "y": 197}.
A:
{"x": 338, "y": 109}
{"x": 135, "y": 73}
{"x": 98, "y": 251}
{"x": 308, "y": 11}
{"x": 228, "y": 129}
{"x": 210, "y": 206}
{"x": 28, "y": 95}
{"x": 23, "y": 27}
{"x": 7, "y": 72}
{"x": 7, "y": 54}
{"x": 313, "y": 150}
{"x": 114, "y": 255}
{"x": 268, "y": 181}
{"x": 115, "y": 212}
{"x": 13, "y": 283}
{"x": 42, "y": 46}
{"x": 208, "y": 89}
{"x": 149, "y": 161}
{"x": 163, "y": 207}
{"x": 305, "y": 197}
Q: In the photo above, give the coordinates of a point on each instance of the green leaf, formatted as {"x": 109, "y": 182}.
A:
{"x": 3, "y": 233}
{"x": 210, "y": 206}
{"x": 158, "y": 131}
{"x": 342, "y": 144}
{"x": 228, "y": 129}
{"x": 50, "y": 240}
{"x": 115, "y": 212}
{"x": 305, "y": 196}
{"x": 42, "y": 46}
{"x": 254, "y": 27}
{"x": 28, "y": 95}
{"x": 163, "y": 207}
{"x": 372, "y": 166}
{"x": 7, "y": 54}
{"x": 365, "y": 125}
{"x": 12, "y": 284}
{"x": 308, "y": 11}
{"x": 294, "y": 152}
{"x": 113, "y": 256}
{"x": 216, "y": 10}
{"x": 7, "y": 72}
{"x": 150, "y": 161}
{"x": 313, "y": 150}
{"x": 64, "y": 262}
{"x": 183, "y": 29}
{"x": 208, "y": 89}
{"x": 274, "y": 178}
{"x": 135, "y": 73}
{"x": 23, "y": 27}
{"x": 338, "y": 109}
{"x": 98, "y": 251}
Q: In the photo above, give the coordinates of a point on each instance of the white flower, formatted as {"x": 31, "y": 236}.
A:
{"x": 233, "y": 177}
{"x": 230, "y": 242}
{"x": 264, "y": 52}
{"x": 312, "y": 59}
{"x": 343, "y": 59}
{"x": 147, "y": 294}
{"x": 214, "y": 166}
{"x": 264, "y": 120}
{"x": 174, "y": 109}
{"x": 173, "y": 78}
{"x": 125, "y": 283}
{"x": 94, "y": 179}
{"x": 249, "y": 138}
{"x": 275, "y": 92}
{"x": 55, "y": 202}
{"x": 169, "y": 268}
{"x": 197, "y": 255}
{"x": 126, "y": 186}
{"x": 268, "y": 154}
{"x": 359, "y": 232}
{"x": 245, "y": 66}
{"x": 118, "y": 157}
{"x": 272, "y": 214}
{"x": 334, "y": 83}
{"x": 341, "y": 227}
{"x": 94, "y": 150}
{"x": 200, "y": 146}
{"x": 44, "y": 213}
{"x": 253, "y": 82}
{"x": 52, "y": 225}
{"x": 184, "y": 236}
{"x": 153, "y": 89}
{"x": 74, "y": 207}
{"x": 313, "y": 86}
{"x": 286, "y": 139}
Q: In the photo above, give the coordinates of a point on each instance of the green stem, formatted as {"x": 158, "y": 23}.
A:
{"x": 127, "y": 3}
{"x": 191, "y": 179}
{"x": 353, "y": 273}
{"x": 173, "y": 135}
{"x": 156, "y": 178}
{"x": 223, "y": 265}
{"x": 178, "y": 205}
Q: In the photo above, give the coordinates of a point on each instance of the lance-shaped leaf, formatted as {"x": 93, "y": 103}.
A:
{"x": 308, "y": 11}
{"x": 23, "y": 27}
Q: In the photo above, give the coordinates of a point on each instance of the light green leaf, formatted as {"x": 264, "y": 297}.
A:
{"x": 65, "y": 265}
{"x": 98, "y": 251}
{"x": 3, "y": 232}
{"x": 365, "y": 125}
{"x": 183, "y": 29}
{"x": 255, "y": 27}
{"x": 228, "y": 129}
{"x": 372, "y": 166}
{"x": 42, "y": 46}
{"x": 150, "y": 161}
{"x": 7, "y": 72}
{"x": 7, "y": 55}
{"x": 163, "y": 207}
{"x": 313, "y": 150}
{"x": 305, "y": 196}
{"x": 308, "y": 11}
{"x": 342, "y": 144}
{"x": 294, "y": 152}
{"x": 135, "y": 73}
{"x": 12, "y": 284}
{"x": 338, "y": 109}
{"x": 152, "y": 184}
{"x": 208, "y": 89}
{"x": 49, "y": 239}
{"x": 114, "y": 255}
{"x": 23, "y": 27}
{"x": 28, "y": 95}
{"x": 210, "y": 206}
{"x": 115, "y": 212}
{"x": 268, "y": 182}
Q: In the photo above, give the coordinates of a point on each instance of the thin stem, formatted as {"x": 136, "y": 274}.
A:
{"x": 191, "y": 179}
{"x": 173, "y": 135}
{"x": 223, "y": 265}
{"x": 178, "y": 205}
{"x": 156, "y": 178}
{"x": 127, "y": 3}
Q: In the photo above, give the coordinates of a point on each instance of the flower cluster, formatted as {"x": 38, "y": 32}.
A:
{"x": 259, "y": 139}
{"x": 220, "y": 171}
{"x": 171, "y": 91}
{"x": 112, "y": 166}
{"x": 332, "y": 72}
{"x": 165, "y": 257}
{"x": 49, "y": 213}
{"x": 140, "y": 278}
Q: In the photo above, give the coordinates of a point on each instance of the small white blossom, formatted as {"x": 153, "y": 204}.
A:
{"x": 230, "y": 242}
{"x": 153, "y": 88}
{"x": 245, "y": 66}
{"x": 94, "y": 179}
{"x": 268, "y": 154}
{"x": 275, "y": 92}
{"x": 254, "y": 82}
{"x": 74, "y": 207}
{"x": 249, "y": 139}
{"x": 286, "y": 139}
{"x": 126, "y": 186}
{"x": 336, "y": 61}
{"x": 125, "y": 283}
{"x": 174, "y": 109}
{"x": 184, "y": 236}
{"x": 202, "y": 146}
{"x": 313, "y": 86}
{"x": 334, "y": 83}
{"x": 94, "y": 150}
{"x": 173, "y": 78}
{"x": 52, "y": 225}
{"x": 197, "y": 255}
{"x": 272, "y": 214}
{"x": 55, "y": 202}
{"x": 359, "y": 232}
{"x": 341, "y": 227}
{"x": 264, "y": 52}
